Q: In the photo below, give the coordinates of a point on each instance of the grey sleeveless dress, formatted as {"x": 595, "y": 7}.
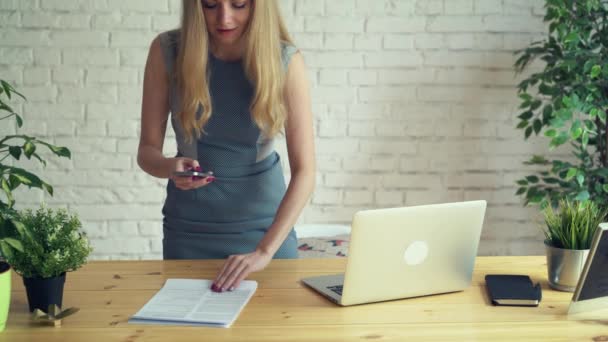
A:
{"x": 232, "y": 214}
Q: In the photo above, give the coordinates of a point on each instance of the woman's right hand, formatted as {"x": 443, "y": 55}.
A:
{"x": 188, "y": 183}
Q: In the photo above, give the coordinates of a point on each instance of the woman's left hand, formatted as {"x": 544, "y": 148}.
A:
{"x": 238, "y": 267}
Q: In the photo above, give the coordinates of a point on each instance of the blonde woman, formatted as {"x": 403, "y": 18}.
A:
{"x": 232, "y": 80}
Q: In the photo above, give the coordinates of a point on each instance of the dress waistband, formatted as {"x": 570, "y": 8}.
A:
{"x": 227, "y": 171}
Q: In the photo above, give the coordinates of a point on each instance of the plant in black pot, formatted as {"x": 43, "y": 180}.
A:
{"x": 54, "y": 245}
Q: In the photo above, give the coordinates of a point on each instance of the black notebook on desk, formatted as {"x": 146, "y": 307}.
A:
{"x": 515, "y": 290}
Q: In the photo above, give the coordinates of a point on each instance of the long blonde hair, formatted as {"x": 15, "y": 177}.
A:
{"x": 262, "y": 64}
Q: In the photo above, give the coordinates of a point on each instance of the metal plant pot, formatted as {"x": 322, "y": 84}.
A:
{"x": 564, "y": 267}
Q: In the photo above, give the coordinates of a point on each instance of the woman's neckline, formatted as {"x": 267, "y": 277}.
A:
{"x": 225, "y": 61}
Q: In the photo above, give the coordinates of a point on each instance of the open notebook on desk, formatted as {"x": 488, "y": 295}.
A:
{"x": 191, "y": 302}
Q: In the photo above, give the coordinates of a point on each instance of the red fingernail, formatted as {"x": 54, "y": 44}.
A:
{"x": 210, "y": 179}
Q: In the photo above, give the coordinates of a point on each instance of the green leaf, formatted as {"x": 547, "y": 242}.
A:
{"x": 602, "y": 115}
{"x": 14, "y": 181}
{"x": 35, "y": 155}
{"x": 29, "y": 148}
{"x": 553, "y": 24}
{"x": 544, "y": 203}
{"x": 6, "y": 250}
{"x": 25, "y": 177}
{"x": 572, "y": 37}
{"x": 571, "y": 173}
{"x": 538, "y": 125}
{"x": 551, "y": 180}
{"x": 547, "y": 113}
{"x": 48, "y": 188}
{"x": 590, "y": 125}
{"x": 7, "y": 190}
{"x": 544, "y": 89}
{"x": 536, "y": 159}
{"x": 525, "y": 97}
{"x": 20, "y": 227}
{"x": 580, "y": 179}
{"x": 582, "y": 196}
{"x": 522, "y": 182}
{"x": 559, "y": 140}
{"x": 19, "y": 120}
{"x": 532, "y": 179}
{"x": 527, "y": 115}
{"x": 585, "y": 139}
{"x": 535, "y": 104}
{"x": 15, "y": 151}
{"x": 16, "y": 244}
{"x": 9, "y": 89}
{"x": 523, "y": 190}
{"x": 576, "y": 130}
{"x": 605, "y": 187}
{"x": 595, "y": 71}
{"x": 576, "y": 101}
{"x": 528, "y": 132}
{"x": 6, "y": 108}
{"x": 556, "y": 122}
{"x": 536, "y": 199}
{"x": 522, "y": 124}
{"x": 564, "y": 114}
{"x": 593, "y": 112}
{"x": 58, "y": 150}
{"x": 550, "y": 133}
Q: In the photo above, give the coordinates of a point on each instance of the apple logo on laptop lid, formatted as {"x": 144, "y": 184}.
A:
{"x": 416, "y": 253}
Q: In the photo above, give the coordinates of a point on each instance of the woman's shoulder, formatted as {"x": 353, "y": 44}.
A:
{"x": 169, "y": 39}
{"x": 169, "y": 42}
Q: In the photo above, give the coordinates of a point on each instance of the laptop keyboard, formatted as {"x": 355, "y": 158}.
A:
{"x": 337, "y": 289}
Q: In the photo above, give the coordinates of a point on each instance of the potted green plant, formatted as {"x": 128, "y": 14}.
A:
{"x": 55, "y": 245}
{"x": 13, "y": 147}
{"x": 567, "y": 101}
{"x": 5, "y": 294}
{"x": 569, "y": 231}
{"x": 8, "y": 242}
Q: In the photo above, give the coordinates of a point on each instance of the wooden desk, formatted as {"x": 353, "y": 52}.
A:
{"x": 283, "y": 309}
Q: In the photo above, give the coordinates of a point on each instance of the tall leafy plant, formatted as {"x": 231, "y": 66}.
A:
{"x": 567, "y": 103}
{"x": 13, "y": 148}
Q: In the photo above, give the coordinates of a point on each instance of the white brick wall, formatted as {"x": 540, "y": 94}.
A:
{"x": 414, "y": 103}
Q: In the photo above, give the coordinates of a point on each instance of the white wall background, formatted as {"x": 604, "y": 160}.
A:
{"x": 414, "y": 103}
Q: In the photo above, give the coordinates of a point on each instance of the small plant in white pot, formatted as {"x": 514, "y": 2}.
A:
{"x": 569, "y": 231}
{"x": 53, "y": 246}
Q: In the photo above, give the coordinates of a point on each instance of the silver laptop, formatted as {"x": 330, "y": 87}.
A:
{"x": 407, "y": 252}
